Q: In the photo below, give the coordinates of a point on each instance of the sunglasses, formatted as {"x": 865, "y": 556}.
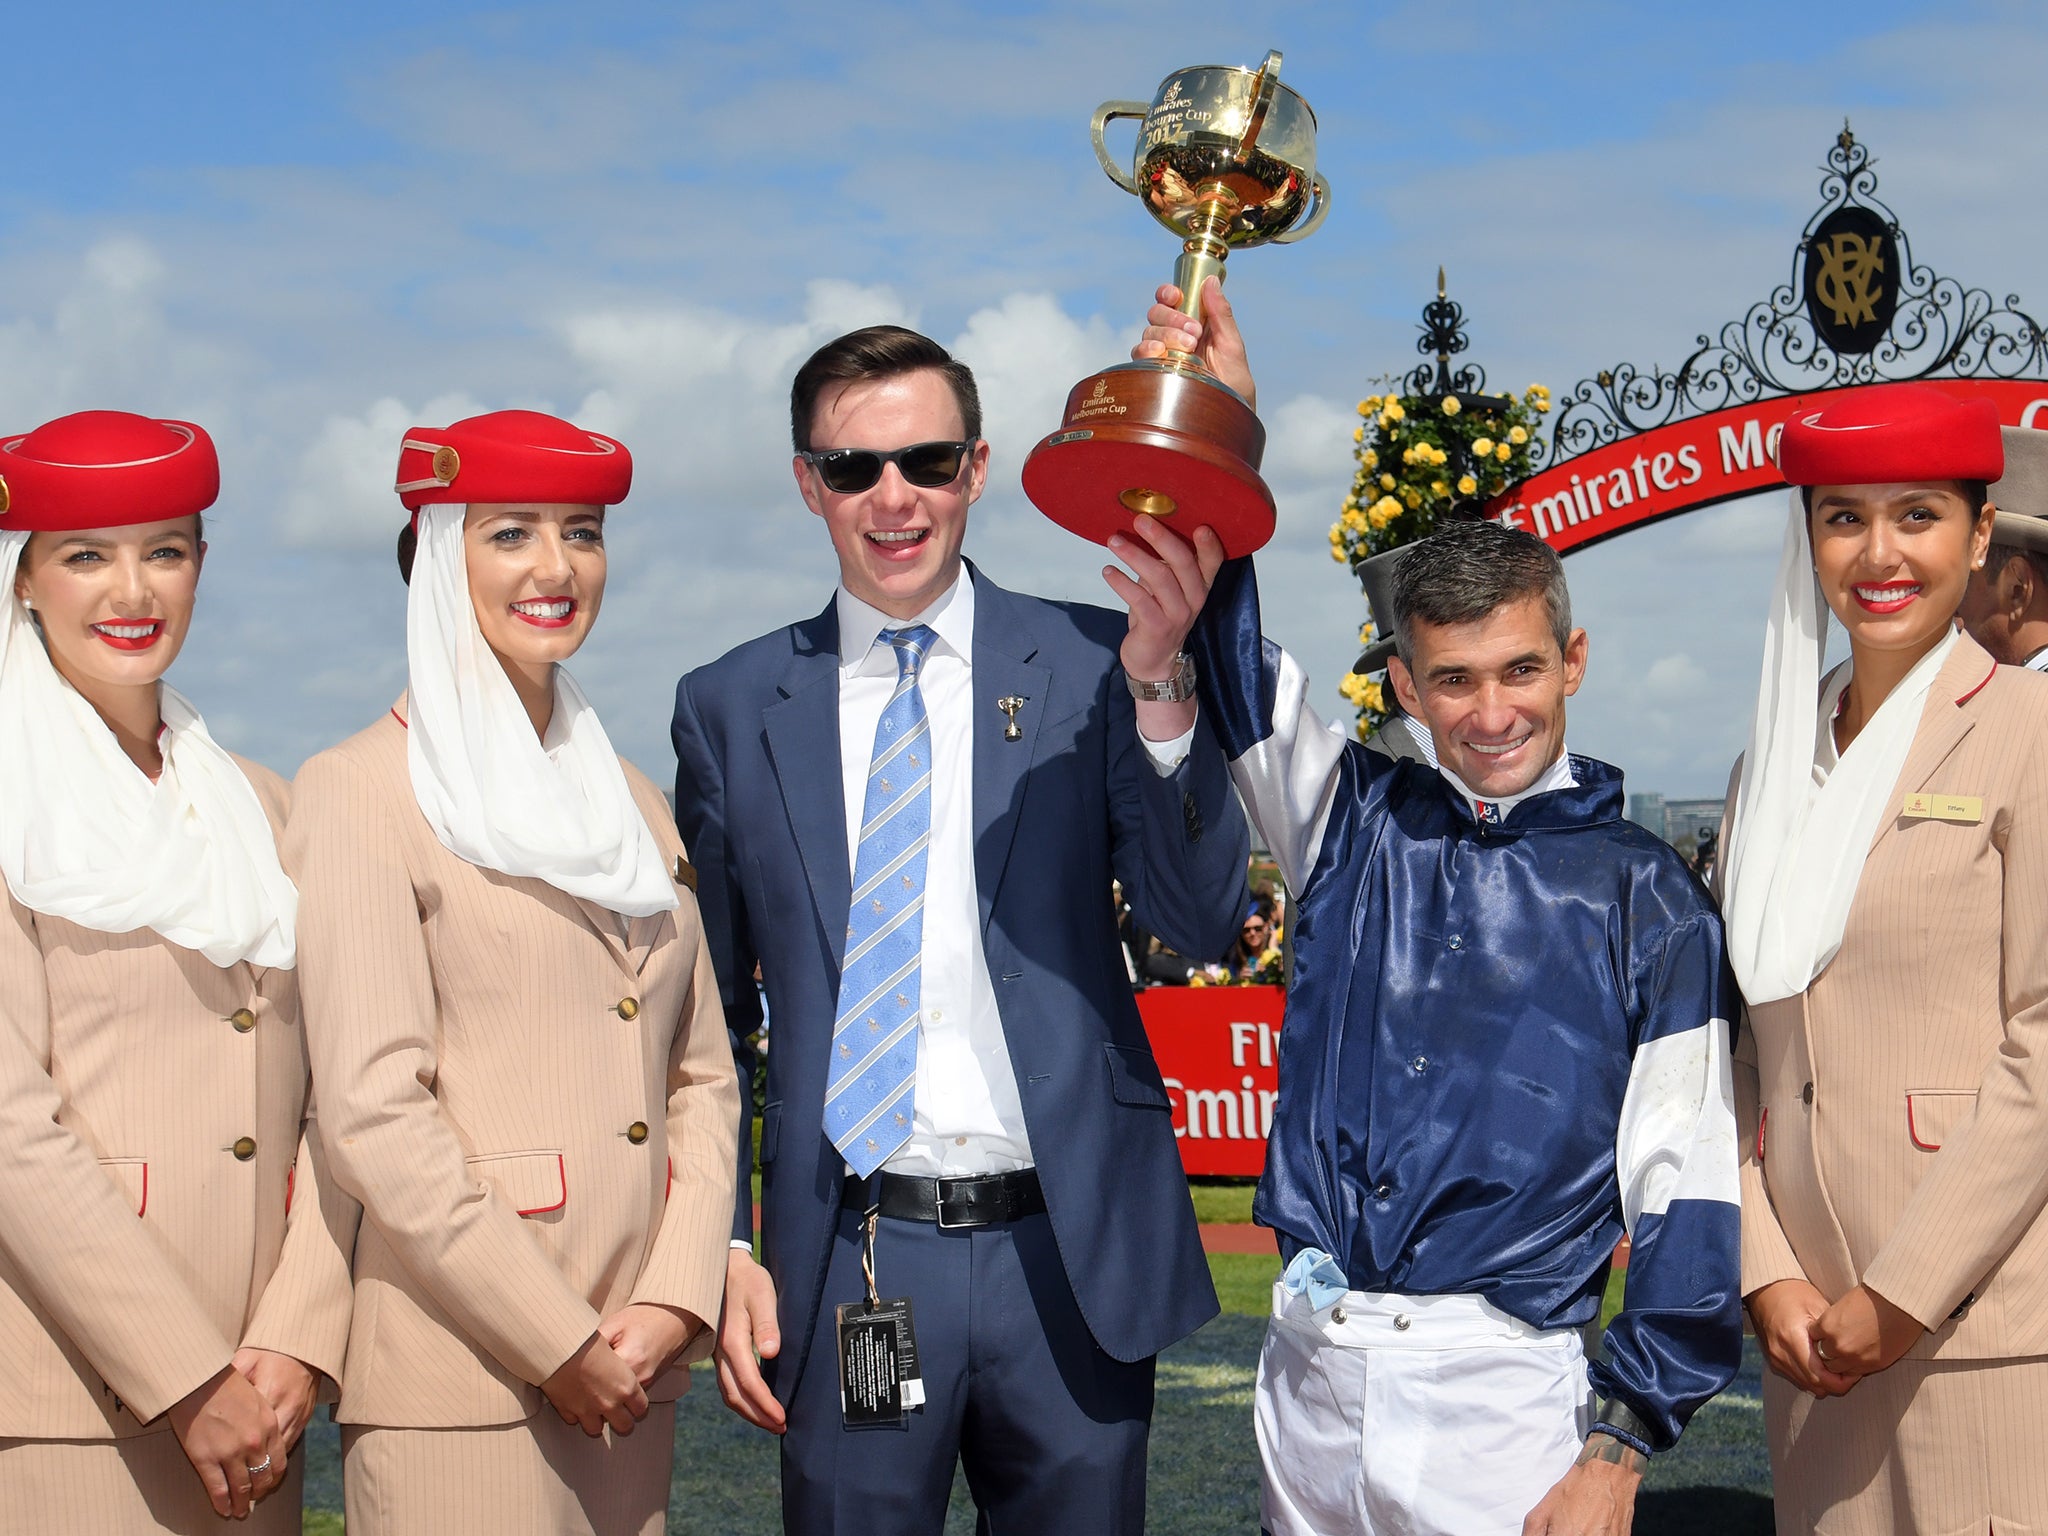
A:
{"x": 850, "y": 470}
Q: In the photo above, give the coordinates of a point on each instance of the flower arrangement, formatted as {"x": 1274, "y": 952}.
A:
{"x": 1269, "y": 970}
{"x": 1422, "y": 458}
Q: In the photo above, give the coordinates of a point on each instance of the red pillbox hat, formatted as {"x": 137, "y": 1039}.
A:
{"x": 1891, "y": 433}
{"x": 105, "y": 469}
{"x": 512, "y": 456}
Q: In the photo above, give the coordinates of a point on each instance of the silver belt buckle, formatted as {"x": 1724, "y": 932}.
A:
{"x": 952, "y": 1226}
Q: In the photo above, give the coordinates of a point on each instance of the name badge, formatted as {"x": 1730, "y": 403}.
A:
{"x": 1932, "y": 807}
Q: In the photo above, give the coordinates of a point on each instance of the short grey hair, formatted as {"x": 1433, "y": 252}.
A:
{"x": 1466, "y": 571}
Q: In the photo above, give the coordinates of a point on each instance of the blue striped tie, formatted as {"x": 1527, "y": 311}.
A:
{"x": 871, "y": 1088}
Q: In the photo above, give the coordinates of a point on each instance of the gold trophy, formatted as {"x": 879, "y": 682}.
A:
{"x": 1226, "y": 158}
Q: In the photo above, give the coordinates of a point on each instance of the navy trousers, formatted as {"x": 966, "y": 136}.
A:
{"x": 1051, "y": 1430}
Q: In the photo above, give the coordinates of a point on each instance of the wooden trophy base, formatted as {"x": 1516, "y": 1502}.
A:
{"x": 1155, "y": 439}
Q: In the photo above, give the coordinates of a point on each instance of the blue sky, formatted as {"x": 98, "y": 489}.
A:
{"x": 311, "y": 226}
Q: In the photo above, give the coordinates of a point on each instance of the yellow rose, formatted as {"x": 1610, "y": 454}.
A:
{"x": 1412, "y": 496}
{"x": 1540, "y": 391}
{"x": 1390, "y": 506}
{"x": 1365, "y": 633}
{"x": 1543, "y": 407}
{"x": 1375, "y": 698}
{"x": 1467, "y": 485}
{"x": 1394, "y": 411}
{"x": 1370, "y": 459}
{"x": 1451, "y": 405}
{"x": 1438, "y": 488}
{"x": 1517, "y": 436}
{"x": 1503, "y": 453}
{"x": 1387, "y": 482}
{"x": 1355, "y": 521}
{"x": 1438, "y": 457}
{"x": 1483, "y": 446}
{"x": 1367, "y": 407}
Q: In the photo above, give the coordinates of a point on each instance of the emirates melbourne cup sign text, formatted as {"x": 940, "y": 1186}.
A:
{"x": 1218, "y": 1050}
{"x": 1695, "y": 463}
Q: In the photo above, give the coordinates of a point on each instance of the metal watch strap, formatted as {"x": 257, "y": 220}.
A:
{"x": 1175, "y": 690}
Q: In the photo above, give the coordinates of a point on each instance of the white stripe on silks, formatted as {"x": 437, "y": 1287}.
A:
{"x": 1677, "y": 1138}
{"x": 1289, "y": 780}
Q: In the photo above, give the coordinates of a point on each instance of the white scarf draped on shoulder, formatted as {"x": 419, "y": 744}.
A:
{"x": 1796, "y": 848}
{"x": 495, "y": 794}
{"x": 85, "y": 836}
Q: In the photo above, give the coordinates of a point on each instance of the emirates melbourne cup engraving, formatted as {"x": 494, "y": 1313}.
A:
{"x": 1225, "y": 158}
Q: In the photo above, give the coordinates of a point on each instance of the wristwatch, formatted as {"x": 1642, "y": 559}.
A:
{"x": 1175, "y": 690}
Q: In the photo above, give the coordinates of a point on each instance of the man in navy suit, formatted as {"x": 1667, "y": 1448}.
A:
{"x": 909, "y": 810}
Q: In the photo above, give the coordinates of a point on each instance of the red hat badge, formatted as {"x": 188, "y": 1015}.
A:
{"x": 105, "y": 469}
{"x": 512, "y": 456}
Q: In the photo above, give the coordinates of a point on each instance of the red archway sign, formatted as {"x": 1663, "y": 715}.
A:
{"x": 1695, "y": 463}
{"x": 1632, "y": 446}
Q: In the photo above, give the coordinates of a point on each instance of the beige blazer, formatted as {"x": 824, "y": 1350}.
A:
{"x": 533, "y": 1098}
{"x": 1895, "y": 1115}
{"x": 160, "y": 1204}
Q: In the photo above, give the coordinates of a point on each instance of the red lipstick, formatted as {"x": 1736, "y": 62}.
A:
{"x": 561, "y": 612}
{"x": 134, "y": 635}
{"x": 1884, "y": 596}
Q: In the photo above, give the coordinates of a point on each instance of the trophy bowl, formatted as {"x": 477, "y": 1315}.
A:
{"x": 1225, "y": 159}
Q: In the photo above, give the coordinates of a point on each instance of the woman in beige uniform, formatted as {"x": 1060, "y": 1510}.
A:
{"x": 171, "y": 1292}
{"x": 1886, "y": 902}
{"x": 523, "y": 1064}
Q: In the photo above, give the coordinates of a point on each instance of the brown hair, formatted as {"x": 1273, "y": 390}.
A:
{"x": 1465, "y": 571}
{"x": 877, "y": 352}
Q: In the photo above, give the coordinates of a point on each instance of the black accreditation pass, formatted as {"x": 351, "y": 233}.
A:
{"x": 879, "y": 1377}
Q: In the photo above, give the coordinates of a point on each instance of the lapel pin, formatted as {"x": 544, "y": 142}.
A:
{"x": 1009, "y": 705}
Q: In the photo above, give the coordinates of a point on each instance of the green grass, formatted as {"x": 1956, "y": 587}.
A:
{"x": 1222, "y": 1200}
{"x": 1244, "y": 1282}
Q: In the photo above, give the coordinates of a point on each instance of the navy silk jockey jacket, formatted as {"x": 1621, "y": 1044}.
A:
{"x": 1504, "y": 1045}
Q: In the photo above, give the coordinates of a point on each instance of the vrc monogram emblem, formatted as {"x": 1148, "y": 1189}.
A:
{"x": 1850, "y": 280}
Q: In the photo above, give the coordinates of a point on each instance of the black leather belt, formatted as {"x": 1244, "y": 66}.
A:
{"x": 981, "y": 1201}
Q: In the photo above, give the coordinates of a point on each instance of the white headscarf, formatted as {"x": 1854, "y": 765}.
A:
{"x": 85, "y": 836}
{"x": 494, "y": 793}
{"x": 1795, "y": 853}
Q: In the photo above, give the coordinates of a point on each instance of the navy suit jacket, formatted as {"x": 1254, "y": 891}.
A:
{"x": 761, "y": 806}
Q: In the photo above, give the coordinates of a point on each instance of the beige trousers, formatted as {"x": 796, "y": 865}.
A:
{"x": 538, "y": 1478}
{"x": 1936, "y": 1449}
{"x": 127, "y": 1487}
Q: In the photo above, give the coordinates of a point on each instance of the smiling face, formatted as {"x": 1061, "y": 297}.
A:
{"x": 536, "y": 578}
{"x": 115, "y": 603}
{"x": 1893, "y": 560}
{"x": 1492, "y": 693}
{"x": 898, "y": 543}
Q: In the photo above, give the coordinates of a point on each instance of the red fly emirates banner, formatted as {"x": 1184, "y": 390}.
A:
{"x": 1219, "y": 1051}
{"x": 1695, "y": 463}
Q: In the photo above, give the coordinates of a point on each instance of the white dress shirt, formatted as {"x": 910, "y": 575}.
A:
{"x": 969, "y": 1117}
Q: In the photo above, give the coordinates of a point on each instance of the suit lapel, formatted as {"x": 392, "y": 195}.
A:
{"x": 1004, "y": 648}
{"x": 803, "y": 744}
{"x": 1944, "y": 722}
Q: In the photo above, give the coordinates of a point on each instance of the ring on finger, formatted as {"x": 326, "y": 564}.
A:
{"x": 258, "y": 1468}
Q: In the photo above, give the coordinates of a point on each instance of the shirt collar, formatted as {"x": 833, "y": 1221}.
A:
{"x": 951, "y": 618}
{"x": 2038, "y": 662}
{"x": 1493, "y": 811}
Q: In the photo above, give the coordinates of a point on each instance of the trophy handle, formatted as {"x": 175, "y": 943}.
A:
{"x": 1106, "y": 114}
{"x": 1319, "y": 205}
{"x": 1263, "y": 87}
